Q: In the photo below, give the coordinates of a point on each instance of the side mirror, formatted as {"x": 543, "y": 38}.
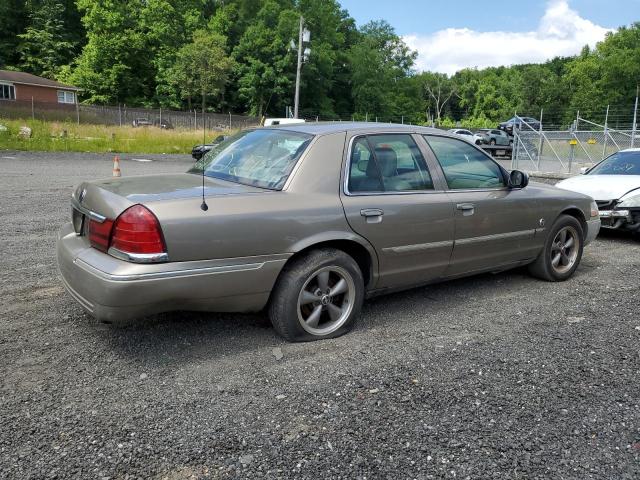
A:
{"x": 584, "y": 170}
{"x": 518, "y": 179}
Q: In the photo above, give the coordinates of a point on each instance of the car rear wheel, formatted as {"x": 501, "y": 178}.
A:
{"x": 562, "y": 251}
{"x": 492, "y": 142}
{"x": 318, "y": 296}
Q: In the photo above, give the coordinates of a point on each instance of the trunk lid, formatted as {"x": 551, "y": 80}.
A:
{"x": 110, "y": 197}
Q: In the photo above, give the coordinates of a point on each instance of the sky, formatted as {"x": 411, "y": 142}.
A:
{"x": 453, "y": 34}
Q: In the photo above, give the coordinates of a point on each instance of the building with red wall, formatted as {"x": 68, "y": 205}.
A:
{"x": 26, "y": 87}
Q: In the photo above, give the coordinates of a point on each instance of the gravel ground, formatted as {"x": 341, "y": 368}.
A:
{"x": 495, "y": 376}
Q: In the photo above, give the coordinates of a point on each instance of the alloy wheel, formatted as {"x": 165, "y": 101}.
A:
{"x": 326, "y": 300}
{"x": 564, "y": 249}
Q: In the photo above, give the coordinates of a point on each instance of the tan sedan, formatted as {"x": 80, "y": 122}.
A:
{"x": 307, "y": 220}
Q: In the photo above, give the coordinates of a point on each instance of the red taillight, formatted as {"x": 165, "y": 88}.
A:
{"x": 137, "y": 231}
{"x": 100, "y": 233}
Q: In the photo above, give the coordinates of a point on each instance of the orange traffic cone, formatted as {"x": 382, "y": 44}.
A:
{"x": 116, "y": 166}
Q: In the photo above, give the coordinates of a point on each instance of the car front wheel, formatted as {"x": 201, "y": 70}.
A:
{"x": 318, "y": 296}
{"x": 562, "y": 251}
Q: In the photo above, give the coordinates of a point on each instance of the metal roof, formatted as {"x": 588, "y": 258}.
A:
{"x": 23, "y": 78}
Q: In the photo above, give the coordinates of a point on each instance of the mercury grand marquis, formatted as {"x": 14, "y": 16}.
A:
{"x": 306, "y": 221}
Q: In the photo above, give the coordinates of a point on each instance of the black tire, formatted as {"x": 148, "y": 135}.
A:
{"x": 543, "y": 267}
{"x": 287, "y": 316}
{"x": 492, "y": 141}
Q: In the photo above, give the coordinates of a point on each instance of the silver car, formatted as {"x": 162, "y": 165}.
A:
{"x": 307, "y": 221}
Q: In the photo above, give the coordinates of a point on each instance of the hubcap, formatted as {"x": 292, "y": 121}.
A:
{"x": 564, "y": 249}
{"x": 326, "y": 300}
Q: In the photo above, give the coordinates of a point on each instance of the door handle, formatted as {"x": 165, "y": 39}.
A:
{"x": 465, "y": 206}
{"x": 372, "y": 215}
{"x": 467, "y": 209}
{"x": 371, "y": 212}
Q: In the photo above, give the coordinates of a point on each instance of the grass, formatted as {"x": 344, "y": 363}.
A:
{"x": 71, "y": 137}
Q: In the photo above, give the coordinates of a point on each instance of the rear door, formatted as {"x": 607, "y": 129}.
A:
{"x": 494, "y": 225}
{"x": 390, "y": 198}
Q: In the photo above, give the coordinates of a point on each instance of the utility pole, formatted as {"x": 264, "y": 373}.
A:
{"x": 296, "y": 102}
{"x": 635, "y": 118}
{"x": 303, "y": 36}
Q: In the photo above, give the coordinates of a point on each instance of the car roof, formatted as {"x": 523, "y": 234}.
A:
{"x": 326, "y": 128}
{"x": 630, "y": 150}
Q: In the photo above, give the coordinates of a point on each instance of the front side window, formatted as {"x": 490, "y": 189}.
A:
{"x": 387, "y": 163}
{"x": 262, "y": 158}
{"x": 7, "y": 92}
{"x": 620, "y": 163}
{"x": 464, "y": 166}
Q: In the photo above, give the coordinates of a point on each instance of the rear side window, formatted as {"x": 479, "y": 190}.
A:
{"x": 387, "y": 163}
{"x": 465, "y": 167}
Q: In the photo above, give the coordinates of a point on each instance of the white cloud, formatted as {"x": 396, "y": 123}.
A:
{"x": 561, "y": 32}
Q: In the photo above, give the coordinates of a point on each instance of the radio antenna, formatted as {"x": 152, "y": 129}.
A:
{"x": 203, "y": 205}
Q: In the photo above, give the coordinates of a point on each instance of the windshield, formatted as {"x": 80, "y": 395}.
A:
{"x": 261, "y": 158}
{"x": 620, "y": 163}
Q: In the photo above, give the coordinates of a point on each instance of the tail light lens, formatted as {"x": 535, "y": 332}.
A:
{"x": 137, "y": 231}
{"x": 100, "y": 233}
{"x": 134, "y": 236}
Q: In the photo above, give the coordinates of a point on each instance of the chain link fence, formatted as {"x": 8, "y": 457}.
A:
{"x": 123, "y": 115}
{"x": 585, "y": 142}
{"x": 567, "y": 151}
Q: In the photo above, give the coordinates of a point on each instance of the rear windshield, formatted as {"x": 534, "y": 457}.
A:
{"x": 261, "y": 158}
{"x": 620, "y": 163}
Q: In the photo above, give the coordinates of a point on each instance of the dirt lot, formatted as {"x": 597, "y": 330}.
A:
{"x": 495, "y": 376}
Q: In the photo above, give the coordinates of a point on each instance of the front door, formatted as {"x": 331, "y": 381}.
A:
{"x": 494, "y": 225}
{"x": 390, "y": 199}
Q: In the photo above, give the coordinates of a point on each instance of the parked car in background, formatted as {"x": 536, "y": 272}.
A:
{"x": 163, "y": 124}
{"x": 199, "y": 151}
{"x": 467, "y": 134}
{"x": 141, "y": 122}
{"x": 615, "y": 185}
{"x": 307, "y": 220}
{"x": 521, "y": 123}
{"x": 494, "y": 137}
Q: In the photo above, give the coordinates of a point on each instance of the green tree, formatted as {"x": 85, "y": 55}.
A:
{"x": 438, "y": 90}
{"x": 202, "y": 67}
{"x": 14, "y": 18}
{"x": 380, "y": 61}
{"x": 606, "y": 75}
{"x": 265, "y": 60}
{"x": 324, "y": 80}
{"x": 45, "y": 45}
